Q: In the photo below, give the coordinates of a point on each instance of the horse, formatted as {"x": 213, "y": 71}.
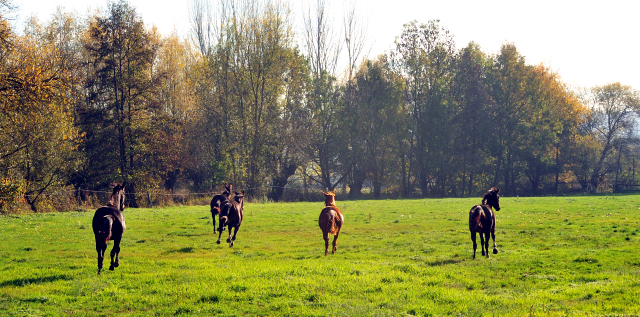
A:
{"x": 220, "y": 203}
{"x": 108, "y": 224}
{"x": 330, "y": 221}
{"x": 482, "y": 219}
{"x": 236, "y": 214}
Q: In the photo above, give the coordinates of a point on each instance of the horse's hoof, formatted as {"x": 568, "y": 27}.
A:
{"x": 116, "y": 264}
{"x": 218, "y": 242}
{"x": 228, "y": 240}
{"x": 111, "y": 268}
{"x": 495, "y": 251}
{"x": 231, "y": 244}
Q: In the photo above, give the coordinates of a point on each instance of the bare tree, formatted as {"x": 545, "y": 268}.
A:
{"x": 320, "y": 40}
{"x": 355, "y": 37}
{"x": 614, "y": 109}
{"x": 323, "y": 50}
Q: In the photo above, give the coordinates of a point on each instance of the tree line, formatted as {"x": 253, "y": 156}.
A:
{"x": 250, "y": 99}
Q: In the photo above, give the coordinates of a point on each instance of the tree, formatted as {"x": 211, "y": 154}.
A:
{"x": 327, "y": 168}
{"x": 614, "y": 109}
{"x": 119, "y": 116}
{"x": 37, "y": 133}
{"x": 554, "y": 115}
{"x": 473, "y": 110}
{"x": 424, "y": 55}
{"x": 374, "y": 118}
{"x": 508, "y": 83}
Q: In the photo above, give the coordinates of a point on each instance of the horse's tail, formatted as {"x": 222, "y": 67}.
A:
{"x": 336, "y": 222}
{"x": 334, "y": 225}
{"x": 223, "y": 221}
{"x": 215, "y": 210}
{"x": 105, "y": 229}
{"x": 474, "y": 217}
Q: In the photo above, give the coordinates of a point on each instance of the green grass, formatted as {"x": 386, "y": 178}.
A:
{"x": 558, "y": 256}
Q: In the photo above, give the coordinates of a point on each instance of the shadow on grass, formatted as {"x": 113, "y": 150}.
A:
{"x": 183, "y": 250}
{"x": 443, "y": 262}
{"x": 35, "y": 280}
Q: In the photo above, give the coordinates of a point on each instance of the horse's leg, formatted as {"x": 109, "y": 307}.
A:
{"x": 229, "y": 238}
{"x": 100, "y": 248}
{"x": 214, "y": 223}
{"x": 475, "y": 245}
{"x": 219, "y": 234}
{"x": 493, "y": 236}
{"x": 335, "y": 242}
{"x": 482, "y": 242}
{"x": 220, "y": 229}
{"x": 235, "y": 230}
{"x": 115, "y": 251}
{"x": 325, "y": 236}
{"x": 486, "y": 242}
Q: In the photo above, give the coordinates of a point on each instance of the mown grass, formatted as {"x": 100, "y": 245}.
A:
{"x": 558, "y": 256}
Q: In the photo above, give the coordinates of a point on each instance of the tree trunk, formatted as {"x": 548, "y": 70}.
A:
{"x": 279, "y": 182}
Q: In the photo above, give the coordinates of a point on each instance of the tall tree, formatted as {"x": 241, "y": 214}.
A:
{"x": 473, "y": 114}
{"x": 424, "y": 55}
{"x": 118, "y": 117}
{"x": 37, "y": 133}
{"x": 508, "y": 78}
{"x": 614, "y": 110}
{"x": 323, "y": 49}
{"x": 374, "y": 118}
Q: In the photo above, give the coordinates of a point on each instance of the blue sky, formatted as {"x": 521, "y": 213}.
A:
{"x": 587, "y": 42}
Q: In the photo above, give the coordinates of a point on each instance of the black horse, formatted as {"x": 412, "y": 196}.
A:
{"x": 482, "y": 219}
{"x": 108, "y": 224}
{"x": 219, "y": 207}
{"x": 236, "y": 214}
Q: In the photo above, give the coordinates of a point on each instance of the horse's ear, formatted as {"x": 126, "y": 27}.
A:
{"x": 243, "y": 193}
{"x": 113, "y": 185}
{"x": 497, "y": 190}
{"x": 124, "y": 184}
{"x": 324, "y": 193}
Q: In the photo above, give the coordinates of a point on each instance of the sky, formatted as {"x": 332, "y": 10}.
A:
{"x": 586, "y": 42}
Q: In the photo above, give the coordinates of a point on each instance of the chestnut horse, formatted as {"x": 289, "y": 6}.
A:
{"x": 219, "y": 207}
{"x": 236, "y": 214}
{"x": 330, "y": 221}
{"x": 482, "y": 219}
{"x": 108, "y": 224}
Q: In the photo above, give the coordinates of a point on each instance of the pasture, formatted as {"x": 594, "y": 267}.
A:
{"x": 558, "y": 256}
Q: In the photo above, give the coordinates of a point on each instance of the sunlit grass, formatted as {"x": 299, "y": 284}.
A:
{"x": 558, "y": 256}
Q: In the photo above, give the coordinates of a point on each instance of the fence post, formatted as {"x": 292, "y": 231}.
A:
{"x": 150, "y": 203}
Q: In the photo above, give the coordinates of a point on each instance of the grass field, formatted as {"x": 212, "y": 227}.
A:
{"x": 558, "y": 256}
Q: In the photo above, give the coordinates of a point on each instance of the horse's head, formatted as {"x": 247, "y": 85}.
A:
{"x": 117, "y": 197}
{"x": 239, "y": 197}
{"x": 329, "y": 198}
{"x": 492, "y": 198}
{"x": 227, "y": 189}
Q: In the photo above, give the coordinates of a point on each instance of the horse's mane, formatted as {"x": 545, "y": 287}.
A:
{"x": 116, "y": 197}
{"x": 489, "y": 193}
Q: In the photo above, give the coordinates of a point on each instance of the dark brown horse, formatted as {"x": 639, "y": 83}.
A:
{"x": 236, "y": 214}
{"x": 482, "y": 219}
{"x": 330, "y": 221}
{"x": 219, "y": 205}
{"x": 108, "y": 224}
